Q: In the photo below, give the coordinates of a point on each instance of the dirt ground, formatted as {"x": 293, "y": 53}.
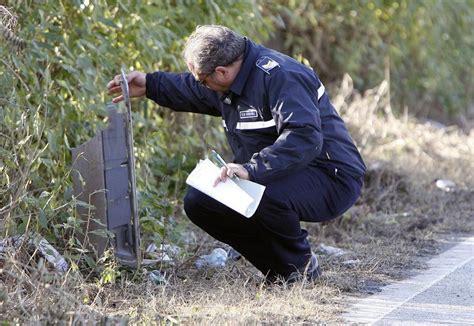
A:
{"x": 401, "y": 219}
{"x": 382, "y": 248}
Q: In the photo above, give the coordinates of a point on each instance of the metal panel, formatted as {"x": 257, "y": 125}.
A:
{"x": 114, "y": 140}
{"x": 123, "y": 244}
{"x": 131, "y": 162}
{"x": 118, "y": 212}
{"x": 89, "y": 187}
{"x": 103, "y": 176}
{"x": 117, "y": 181}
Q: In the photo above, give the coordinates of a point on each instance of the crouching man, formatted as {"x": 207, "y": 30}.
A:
{"x": 284, "y": 133}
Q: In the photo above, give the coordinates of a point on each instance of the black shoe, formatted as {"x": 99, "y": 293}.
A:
{"x": 310, "y": 273}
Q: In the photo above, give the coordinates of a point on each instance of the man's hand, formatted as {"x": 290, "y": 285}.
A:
{"x": 231, "y": 170}
{"x": 136, "y": 85}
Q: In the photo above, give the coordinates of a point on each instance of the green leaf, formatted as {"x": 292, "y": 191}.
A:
{"x": 43, "y": 221}
{"x": 108, "y": 22}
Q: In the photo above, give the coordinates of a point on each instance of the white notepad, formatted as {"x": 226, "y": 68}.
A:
{"x": 243, "y": 196}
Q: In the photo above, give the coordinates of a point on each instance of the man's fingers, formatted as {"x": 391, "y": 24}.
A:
{"x": 224, "y": 172}
{"x": 113, "y": 90}
{"x": 231, "y": 173}
{"x": 111, "y": 84}
{"x": 118, "y": 99}
{"x": 219, "y": 179}
{"x": 222, "y": 176}
{"x": 233, "y": 170}
{"x": 114, "y": 82}
{"x": 118, "y": 79}
{"x": 237, "y": 170}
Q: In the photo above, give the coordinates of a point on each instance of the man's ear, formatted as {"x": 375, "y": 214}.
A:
{"x": 222, "y": 71}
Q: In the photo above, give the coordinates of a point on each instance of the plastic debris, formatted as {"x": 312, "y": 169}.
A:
{"x": 51, "y": 254}
{"x": 164, "y": 253}
{"x": 39, "y": 243}
{"x": 216, "y": 258}
{"x": 445, "y": 184}
{"x": 14, "y": 242}
{"x": 331, "y": 251}
{"x": 233, "y": 254}
{"x": 157, "y": 277}
{"x": 151, "y": 248}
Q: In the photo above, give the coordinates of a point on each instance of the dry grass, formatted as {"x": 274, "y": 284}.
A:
{"x": 401, "y": 217}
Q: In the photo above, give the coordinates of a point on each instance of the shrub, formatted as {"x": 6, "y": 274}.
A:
{"x": 57, "y": 60}
{"x": 424, "y": 48}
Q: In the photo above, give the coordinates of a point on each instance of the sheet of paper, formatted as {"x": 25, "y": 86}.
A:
{"x": 242, "y": 196}
{"x": 255, "y": 191}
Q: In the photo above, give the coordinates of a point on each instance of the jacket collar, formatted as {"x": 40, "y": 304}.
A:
{"x": 248, "y": 64}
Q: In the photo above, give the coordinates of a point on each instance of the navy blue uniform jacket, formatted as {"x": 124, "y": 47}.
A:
{"x": 277, "y": 116}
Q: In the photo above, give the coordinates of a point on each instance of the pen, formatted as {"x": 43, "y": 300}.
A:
{"x": 222, "y": 163}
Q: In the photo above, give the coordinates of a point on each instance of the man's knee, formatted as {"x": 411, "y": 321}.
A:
{"x": 200, "y": 208}
{"x": 193, "y": 203}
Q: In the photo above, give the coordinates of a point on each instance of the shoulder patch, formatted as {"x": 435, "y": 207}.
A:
{"x": 266, "y": 64}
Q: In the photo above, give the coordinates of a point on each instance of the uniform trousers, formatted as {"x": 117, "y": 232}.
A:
{"x": 272, "y": 239}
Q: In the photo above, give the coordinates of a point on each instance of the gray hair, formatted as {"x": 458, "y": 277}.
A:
{"x": 210, "y": 46}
